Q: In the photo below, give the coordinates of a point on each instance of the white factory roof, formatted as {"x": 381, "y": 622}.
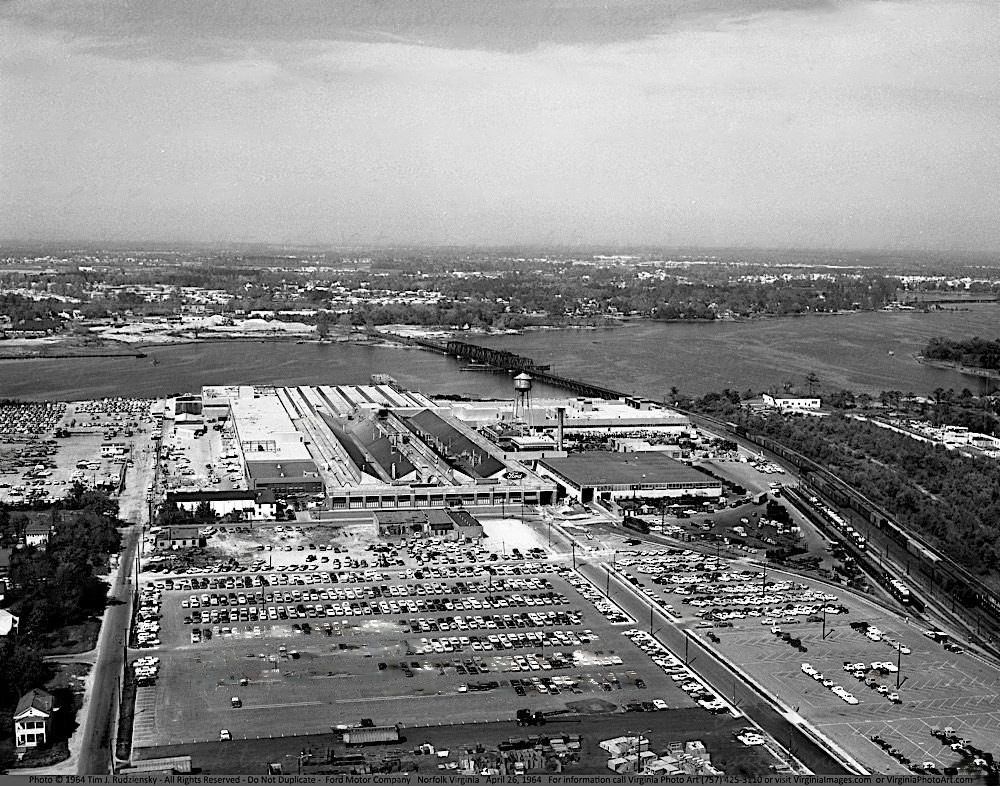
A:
{"x": 261, "y": 420}
{"x": 580, "y": 413}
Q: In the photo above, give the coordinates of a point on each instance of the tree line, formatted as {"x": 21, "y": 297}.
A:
{"x": 950, "y": 499}
{"x": 976, "y": 352}
{"x": 53, "y": 585}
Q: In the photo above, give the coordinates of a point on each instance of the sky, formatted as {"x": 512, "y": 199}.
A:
{"x": 756, "y": 123}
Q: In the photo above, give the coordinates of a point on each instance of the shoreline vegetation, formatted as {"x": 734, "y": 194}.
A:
{"x": 74, "y": 346}
{"x": 951, "y": 365}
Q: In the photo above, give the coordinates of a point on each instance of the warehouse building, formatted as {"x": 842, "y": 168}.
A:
{"x": 609, "y": 476}
{"x": 274, "y": 451}
{"x": 367, "y": 446}
{"x": 254, "y": 505}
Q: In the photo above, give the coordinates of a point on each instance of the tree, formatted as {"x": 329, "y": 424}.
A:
{"x": 812, "y": 382}
{"x": 322, "y": 325}
{"x": 204, "y": 512}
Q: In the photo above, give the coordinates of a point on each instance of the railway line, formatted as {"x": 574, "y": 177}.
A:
{"x": 972, "y": 602}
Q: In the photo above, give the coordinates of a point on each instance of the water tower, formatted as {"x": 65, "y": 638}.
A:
{"x": 522, "y": 394}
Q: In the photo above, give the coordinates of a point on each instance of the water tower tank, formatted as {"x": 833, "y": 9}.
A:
{"x": 522, "y": 394}
{"x": 522, "y": 382}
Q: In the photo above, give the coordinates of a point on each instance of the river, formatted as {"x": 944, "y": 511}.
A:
{"x": 847, "y": 351}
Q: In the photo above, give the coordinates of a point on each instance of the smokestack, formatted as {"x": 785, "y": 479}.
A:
{"x": 560, "y": 421}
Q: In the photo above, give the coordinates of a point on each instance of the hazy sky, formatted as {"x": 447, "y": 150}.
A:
{"x": 677, "y": 122}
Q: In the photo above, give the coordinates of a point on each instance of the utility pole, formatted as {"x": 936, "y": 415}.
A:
{"x": 650, "y": 619}
{"x": 573, "y": 545}
{"x": 899, "y": 661}
{"x": 607, "y": 589}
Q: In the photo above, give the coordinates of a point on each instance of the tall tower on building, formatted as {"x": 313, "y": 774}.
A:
{"x": 522, "y": 394}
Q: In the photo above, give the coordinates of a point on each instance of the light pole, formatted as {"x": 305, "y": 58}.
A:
{"x": 638, "y": 745}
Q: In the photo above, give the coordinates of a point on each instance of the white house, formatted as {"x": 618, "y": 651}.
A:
{"x": 36, "y": 534}
{"x": 32, "y": 718}
{"x": 791, "y": 403}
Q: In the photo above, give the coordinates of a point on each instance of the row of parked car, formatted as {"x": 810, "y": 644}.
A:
{"x": 834, "y": 688}
{"x": 686, "y": 679}
{"x": 147, "y": 624}
{"x": 146, "y": 670}
{"x": 495, "y": 621}
{"x": 611, "y": 612}
{"x": 516, "y": 599}
{"x": 510, "y": 641}
{"x": 864, "y": 673}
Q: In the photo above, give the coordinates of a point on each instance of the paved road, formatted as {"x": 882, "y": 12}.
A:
{"x": 98, "y": 746}
{"x": 716, "y": 673}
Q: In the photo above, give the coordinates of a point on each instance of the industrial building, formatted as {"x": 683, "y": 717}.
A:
{"x": 366, "y": 446}
{"x": 384, "y": 448}
{"x": 578, "y": 415}
{"x": 250, "y": 504}
{"x": 791, "y": 403}
{"x": 435, "y": 523}
{"x": 602, "y": 475}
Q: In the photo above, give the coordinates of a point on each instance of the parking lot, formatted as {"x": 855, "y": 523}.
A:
{"x": 397, "y": 634}
{"x": 846, "y": 684}
{"x": 46, "y": 448}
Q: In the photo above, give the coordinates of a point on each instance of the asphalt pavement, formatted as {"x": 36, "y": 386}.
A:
{"x": 97, "y": 749}
{"x": 726, "y": 682}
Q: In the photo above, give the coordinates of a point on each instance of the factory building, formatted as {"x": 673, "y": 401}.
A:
{"x": 609, "y": 476}
{"x": 367, "y": 446}
{"x": 579, "y": 415}
{"x": 251, "y": 504}
{"x": 275, "y": 455}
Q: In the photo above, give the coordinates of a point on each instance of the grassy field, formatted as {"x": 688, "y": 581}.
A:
{"x": 73, "y": 639}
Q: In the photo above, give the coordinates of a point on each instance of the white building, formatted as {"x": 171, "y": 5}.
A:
{"x": 791, "y": 403}
{"x": 32, "y": 719}
{"x": 8, "y": 623}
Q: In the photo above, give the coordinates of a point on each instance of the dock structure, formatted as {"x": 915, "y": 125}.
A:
{"x": 502, "y": 360}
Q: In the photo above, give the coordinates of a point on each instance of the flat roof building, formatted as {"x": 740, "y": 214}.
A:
{"x": 791, "y": 403}
{"x": 285, "y": 477}
{"x": 605, "y": 475}
{"x": 440, "y": 523}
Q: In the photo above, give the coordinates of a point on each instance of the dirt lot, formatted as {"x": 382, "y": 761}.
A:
{"x": 717, "y": 733}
